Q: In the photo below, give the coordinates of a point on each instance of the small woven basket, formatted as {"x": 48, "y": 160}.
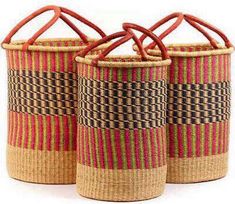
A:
{"x": 121, "y": 123}
{"x": 198, "y": 109}
{"x": 43, "y": 102}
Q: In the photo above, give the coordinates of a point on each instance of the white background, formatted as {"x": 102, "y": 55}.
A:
{"x": 109, "y": 15}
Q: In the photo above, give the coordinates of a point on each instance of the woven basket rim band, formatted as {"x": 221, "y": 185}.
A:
{"x": 18, "y": 45}
{"x": 57, "y": 14}
{"x": 152, "y": 61}
{"x": 220, "y": 51}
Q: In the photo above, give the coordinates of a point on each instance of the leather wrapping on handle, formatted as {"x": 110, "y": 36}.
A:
{"x": 193, "y": 21}
{"x": 190, "y": 19}
{"x": 125, "y": 37}
{"x": 127, "y": 26}
{"x": 179, "y": 18}
{"x": 58, "y": 14}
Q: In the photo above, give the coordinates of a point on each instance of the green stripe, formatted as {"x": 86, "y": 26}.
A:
{"x": 202, "y": 132}
{"x": 193, "y": 139}
{"x": 133, "y": 162}
{"x": 209, "y": 69}
{"x": 193, "y": 70}
{"x": 129, "y": 74}
{"x": 97, "y": 148}
{"x": 210, "y": 139}
{"x": 90, "y": 147}
{"x": 176, "y": 70}
{"x": 149, "y": 147}
{"x": 141, "y": 149}
{"x": 202, "y": 70}
{"x": 115, "y": 163}
{"x": 123, "y": 150}
{"x": 185, "y": 70}
{"x": 184, "y": 133}
{"x": 105, "y": 148}
{"x": 176, "y": 140}
{"x": 138, "y": 74}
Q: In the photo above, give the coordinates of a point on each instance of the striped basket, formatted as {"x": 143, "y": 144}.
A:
{"x": 198, "y": 104}
{"x": 42, "y": 81}
{"x": 121, "y": 123}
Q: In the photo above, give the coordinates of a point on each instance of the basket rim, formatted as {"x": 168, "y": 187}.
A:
{"x": 152, "y": 61}
{"x": 222, "y": 50}
{"x": 18, "y": 45}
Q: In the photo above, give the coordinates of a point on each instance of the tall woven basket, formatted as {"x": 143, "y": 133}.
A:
{"x": 121, "y": 122}
{"x": 42, "y": 81}
{"x": 198, "y": 104}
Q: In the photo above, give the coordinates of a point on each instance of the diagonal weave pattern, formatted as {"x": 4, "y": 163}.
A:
{"x": 198, "y": 103}
{"x": 121, "y": 105}
{"x": 42, "y": 92}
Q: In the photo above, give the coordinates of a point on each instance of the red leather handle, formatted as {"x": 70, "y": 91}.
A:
{"x": 58, "y": 14}
{"x": 128, "y": 26}
{"x": 83, "y": 20}
{"x": 194, "y": 21}
{"x": 126, "y": 35}
{"x": 179, "y": 18}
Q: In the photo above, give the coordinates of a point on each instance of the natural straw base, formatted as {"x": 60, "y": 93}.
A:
{"x": 185, "y": 170}
{"x": 120, "y": 185}
{"x": 49, "y": 167}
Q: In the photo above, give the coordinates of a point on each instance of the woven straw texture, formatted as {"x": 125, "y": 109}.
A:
{"x": 42, "y": 110}
{"x": 121, "y": 130}
{"x": 198, "y": 112}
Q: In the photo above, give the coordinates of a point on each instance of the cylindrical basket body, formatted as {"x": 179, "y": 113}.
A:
{"x": 121, "y": 130}
{"x": 198, "y": 112}
{"x": 198, "y": 108}
{"x": 42, "y": 91}
{"x": 42, "y": 113}
{"x": 121, "y": 122}
{"x": 198, "y": 115}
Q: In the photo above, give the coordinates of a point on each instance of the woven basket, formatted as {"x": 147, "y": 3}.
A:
{"x": 121, "y": 123}
{"x": 198, "y": 104}
{"x": 43, "y": 102}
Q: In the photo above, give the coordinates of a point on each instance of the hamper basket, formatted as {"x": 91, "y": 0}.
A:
{"x": 43, "y": 101}
{"x": 198, "y": 108}
{"x": 121, "y": 122}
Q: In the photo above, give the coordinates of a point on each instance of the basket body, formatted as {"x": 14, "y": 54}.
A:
{"x": 121, "y": 131}
{"x": 42, "y": 113}
{"x": 198, "y": 112}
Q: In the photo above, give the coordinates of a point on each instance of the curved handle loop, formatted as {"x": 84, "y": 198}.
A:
{"x": 125, "y": 37}
{"x": 128, "y": 26}
{"x": 194, "y": 20}
{"x": 82, "y": 19}
{"x": 58, "y": 14}
{"x": 179, "y": 18}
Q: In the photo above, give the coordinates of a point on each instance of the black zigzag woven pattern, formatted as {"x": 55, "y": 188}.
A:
{"x": 42, "y": 92}
{"x": 198, "y": 103}
{"x": 121, "y": 105}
